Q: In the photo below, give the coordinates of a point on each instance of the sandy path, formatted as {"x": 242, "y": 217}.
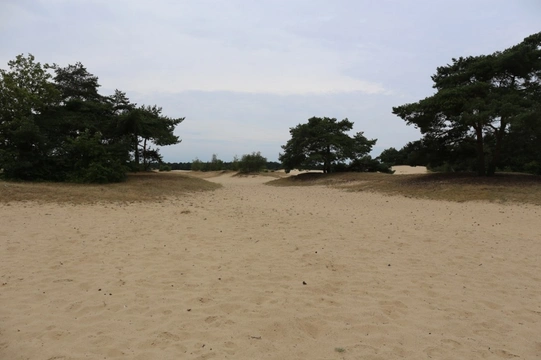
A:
{"x": 220, "y": 275}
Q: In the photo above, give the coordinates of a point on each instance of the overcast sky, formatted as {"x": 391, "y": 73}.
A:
{"x": 243, "y": 72}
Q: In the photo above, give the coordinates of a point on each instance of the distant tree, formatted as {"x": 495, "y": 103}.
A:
{"x": 197, "y": 165}
{"x": 479, "y": 100}
{"x": 418, "y": 152}
{"x": 250, "y": 163}
{"x": 235, "y": 164}
{"x": 273, "y": 165}
{"x": 368, "y": 164}
{"x": 183, "y": 166}
{"x": 392, "y": 157}
{"x": 178, "y": 166}
{"x": 322, "y": 143}
{"x": 215, "y": 164}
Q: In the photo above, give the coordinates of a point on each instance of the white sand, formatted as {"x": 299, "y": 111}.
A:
{"x": 408, "y": 170}
{"x": 220, "y": 275}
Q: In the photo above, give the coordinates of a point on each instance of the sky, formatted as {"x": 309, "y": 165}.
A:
{"x": 243, "y": 72}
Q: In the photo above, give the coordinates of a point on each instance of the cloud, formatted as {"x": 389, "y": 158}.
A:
{"x": 209, "y": 46}
{"x": 244, "y": 72}
{"x": 229, "y": 123}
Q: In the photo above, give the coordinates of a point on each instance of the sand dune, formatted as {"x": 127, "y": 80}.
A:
{"x": 408, "y": 170}
{"x": 251, "y": 271}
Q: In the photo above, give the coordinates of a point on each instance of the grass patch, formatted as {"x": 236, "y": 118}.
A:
{"x": 209, "y": 174}
{"x": 138, "y": 187}
{"x": 274, "y": 175}
{"x": 340, "y": 349}
{"x": 459, "y": 187}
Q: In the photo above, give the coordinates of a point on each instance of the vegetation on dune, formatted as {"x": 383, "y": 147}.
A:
{"x": 484, "y": 116}
{"x": 248, "y": 163}
{"x": 324, "y": 144}
{"x": 55, "y": 126}
{"x": 138, "y": 187}
{"x": 252, "y": 163}
{"x": 460, "y": 187}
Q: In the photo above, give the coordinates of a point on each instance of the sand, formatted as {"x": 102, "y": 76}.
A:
{"x": 252, "y": 271}
{"x": 408, "y": 170}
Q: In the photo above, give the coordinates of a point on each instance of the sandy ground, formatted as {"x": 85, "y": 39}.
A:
{"x": 407, "y": 170}
{"x": 258, "y": 272}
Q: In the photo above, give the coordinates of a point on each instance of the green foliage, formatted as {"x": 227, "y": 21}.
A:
{"x": 197, "y": 165}
{"x": 392, "y": 157}
{"x": 59, "y": 128}
{"x": 479, "y": 101}
{"x": 235, "y": 164}
{"x": 368, "y": 164}
{"x": 165, "y": 167}
{"x": 100, "y": 172}
{"x": 323, "y": 143}
{"x": 215, "y": 164}
{"x": 250, "y": 163}
{"x": 26, "y": 92}
{"x": 145, "y": 125}
{"x": 75, "y": 83}
{"x": 445, "y": 168}
{"x": 232, "y": 165}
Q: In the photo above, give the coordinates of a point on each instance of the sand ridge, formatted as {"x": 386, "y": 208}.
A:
{"x": 253, "y": 271}
{"x": 408, "y": 170}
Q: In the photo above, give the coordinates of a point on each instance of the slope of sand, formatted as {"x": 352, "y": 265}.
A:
{"x": 408, "y": 170}
{"x": 220, "y": 276}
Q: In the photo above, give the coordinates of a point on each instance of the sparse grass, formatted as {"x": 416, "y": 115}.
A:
{"x": 274, "y": 175}
{"x": 208, "y": 174}
{"x": 459, "y": 187}
{"x": 137, "y": 188}
{"x": 212, "y": 174}
{"x": 339, "y": 349}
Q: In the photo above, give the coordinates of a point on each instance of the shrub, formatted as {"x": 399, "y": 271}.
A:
{"x": 215, "y": 164}
{"x": 235, "y": 165}
{"x": 100, "y": 172}
{"x": 197, "y": 165}
{"x": 253, "y": 162}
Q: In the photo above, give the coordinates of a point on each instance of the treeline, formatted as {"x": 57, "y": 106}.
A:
{"x": 56, "y": 126}
{"x": 485, "y": 115}
{"x": 253, "y": 162}
{"x": 325, "y": 144}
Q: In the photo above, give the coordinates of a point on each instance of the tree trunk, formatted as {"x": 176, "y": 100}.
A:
{"x": 497, "y": 150}
{"x": 480, "y": 150}
{"x": 327, "y": 164}
{"x": 145, "y": 166}
{"x": 136, "y": 154}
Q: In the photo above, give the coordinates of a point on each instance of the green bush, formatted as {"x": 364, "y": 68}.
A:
{"x": 235, "y": 165}
{"x": 100, "y": 173}
{"x": 215, "y": 164}
{"x": 445, "y": 168}
{"x": 198, "y": 165}
{"x": 532, "y": 167}
{"x": 368, "y": 164}
{"x": 253, "y": 162}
